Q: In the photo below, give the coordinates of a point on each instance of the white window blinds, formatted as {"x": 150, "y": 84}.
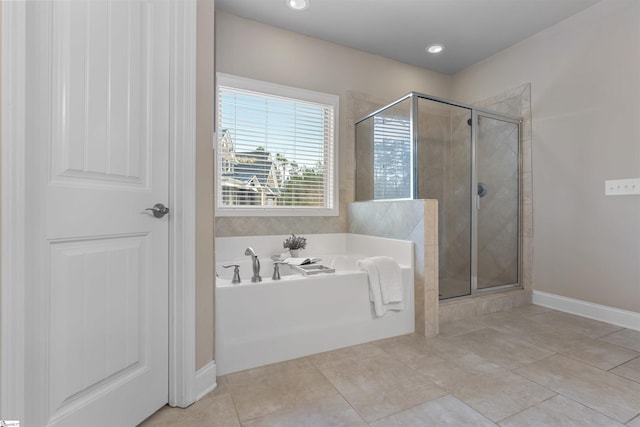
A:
{"x": 275, "y": 153}
{"x": 392, "y": 158}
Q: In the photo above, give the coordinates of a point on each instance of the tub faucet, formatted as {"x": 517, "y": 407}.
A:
{"x": 255, "y": 264}
{"x": 236, "y": 272}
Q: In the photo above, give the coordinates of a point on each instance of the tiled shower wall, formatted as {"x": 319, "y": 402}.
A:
{"x": 415, "y": 220}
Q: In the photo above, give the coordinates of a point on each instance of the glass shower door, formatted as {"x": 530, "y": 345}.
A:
{"x": 444, "y": 160}
{"x": 497, "y": 202}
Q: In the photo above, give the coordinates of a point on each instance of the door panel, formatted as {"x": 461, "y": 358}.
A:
{"x": 97, "y": 330}
{"x": 100, "y": 98}
{"x": 497, "y": 230}
{"x": 99, "y": 291}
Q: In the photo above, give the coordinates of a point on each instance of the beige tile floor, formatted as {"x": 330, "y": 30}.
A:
{"x": 527, "y": 367}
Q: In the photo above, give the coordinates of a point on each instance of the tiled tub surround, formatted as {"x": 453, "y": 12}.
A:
{"x": 272, "y": 321}
{"x": 417, "y": 221}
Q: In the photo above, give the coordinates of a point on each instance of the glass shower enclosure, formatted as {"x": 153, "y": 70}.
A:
{"x": 422, "y": 147}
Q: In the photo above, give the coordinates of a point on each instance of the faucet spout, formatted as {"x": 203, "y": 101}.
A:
{"x": 255, "y": 264}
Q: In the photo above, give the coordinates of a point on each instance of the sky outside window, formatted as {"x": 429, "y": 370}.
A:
{"x": 292, "y": 129}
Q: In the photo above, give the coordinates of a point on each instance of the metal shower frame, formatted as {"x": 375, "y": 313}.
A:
{"x": 476, "y": 112}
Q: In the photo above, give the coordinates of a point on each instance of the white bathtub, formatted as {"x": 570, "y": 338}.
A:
{"x": 272, "y": 321}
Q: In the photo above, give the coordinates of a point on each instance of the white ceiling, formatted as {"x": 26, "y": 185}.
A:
{"x": 471, "y": 30}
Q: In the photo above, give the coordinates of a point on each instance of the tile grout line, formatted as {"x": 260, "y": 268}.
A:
{"x": 593, "y": 366}
{"x": 448, "y": 393}
{"x": 416, "y": 405}
{"x": 529, "y": 407}
{"x": 414, "y": 370}
{"x": 474, "y": 410}
{"x": 557, "y": 393}
{"x": 568, "y": 397}
{"x": 619, "y": 345}
{"x": 235, "y": 407}
{"x": 571, "y": 399}
{"x": 415, "y": 350}
{"x": 634, "y": 418}
{"x": 593, "y": 409}
{"x": 624, "y": 363}
{"x": 337, "y": 391}
{"x": 390, "y": 356}
{"x": 285, "y": 410}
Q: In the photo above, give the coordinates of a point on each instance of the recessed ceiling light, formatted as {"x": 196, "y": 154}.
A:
{"x": 435, "y": 48}
{"x": 298, "y": 4}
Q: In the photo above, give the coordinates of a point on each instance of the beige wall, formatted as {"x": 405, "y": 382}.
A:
{"x": 251, "y": 49}
{"x": 585, "y": 97}
{"x": 205, "y": 274}
{"x": 585, "y": 108}
{"x": 0, "y": 125}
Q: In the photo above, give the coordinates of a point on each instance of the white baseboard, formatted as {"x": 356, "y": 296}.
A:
{"x": 615, "y": 316}
{"x": 206, "y": 380}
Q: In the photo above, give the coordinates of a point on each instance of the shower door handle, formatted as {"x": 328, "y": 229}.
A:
{"x": 482, "y": 191}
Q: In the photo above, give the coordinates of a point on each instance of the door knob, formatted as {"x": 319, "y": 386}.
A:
{"x": 159, "y": 210}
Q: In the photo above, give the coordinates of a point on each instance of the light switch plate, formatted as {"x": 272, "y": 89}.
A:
{"x": 622, "y": 187}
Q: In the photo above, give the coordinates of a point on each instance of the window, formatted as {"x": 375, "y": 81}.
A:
{"x": 276, "y": 149}
{"x": 392, "y": 166}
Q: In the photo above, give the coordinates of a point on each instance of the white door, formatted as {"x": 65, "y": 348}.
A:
{"x": 98, "y": 154}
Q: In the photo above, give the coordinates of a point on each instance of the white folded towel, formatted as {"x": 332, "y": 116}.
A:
{"x": 374, "y": 273}
{"x": 374, "y": 285}
{"x": 390, "y": 278}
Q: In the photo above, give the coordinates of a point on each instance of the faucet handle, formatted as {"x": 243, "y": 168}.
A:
{"x": 236, "y": 272}
{"x": 276, "y": 270}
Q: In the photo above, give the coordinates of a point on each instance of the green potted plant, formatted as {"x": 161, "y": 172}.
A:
{"x": 294, "y": 244}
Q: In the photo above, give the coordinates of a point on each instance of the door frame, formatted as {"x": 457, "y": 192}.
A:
{"x": 182, "y": 200}
{"x": 475, "y": 115}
